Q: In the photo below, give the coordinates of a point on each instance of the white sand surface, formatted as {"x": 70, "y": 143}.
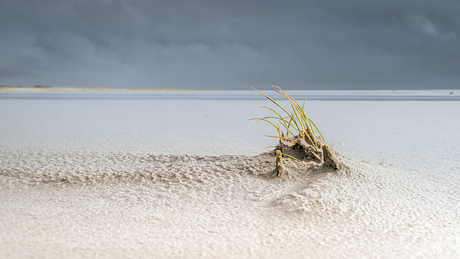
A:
{"x": 180, "y": 178}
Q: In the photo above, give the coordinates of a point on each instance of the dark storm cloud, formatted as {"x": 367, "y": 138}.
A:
{"x": 231, "y": 44}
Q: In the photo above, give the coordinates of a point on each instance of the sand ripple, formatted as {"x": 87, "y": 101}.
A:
{"x": 87, "y": 204}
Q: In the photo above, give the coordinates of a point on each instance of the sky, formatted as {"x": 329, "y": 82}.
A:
{"x": 237, "y": 44}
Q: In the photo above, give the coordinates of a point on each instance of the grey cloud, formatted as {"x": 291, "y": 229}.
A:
{"x": 232, "y": 45}
{"x": 420, "y": 23}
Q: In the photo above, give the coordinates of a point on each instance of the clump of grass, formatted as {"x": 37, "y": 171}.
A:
{"x": 291, "y": 123}
{"x": 297, "y": 133}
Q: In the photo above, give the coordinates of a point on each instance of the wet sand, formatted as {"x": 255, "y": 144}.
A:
{"x": 184, "y": 178}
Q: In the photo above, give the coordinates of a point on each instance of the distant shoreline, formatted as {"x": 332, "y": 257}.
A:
{"x": 74, "y": 88}
{"x": 51, "y": 92}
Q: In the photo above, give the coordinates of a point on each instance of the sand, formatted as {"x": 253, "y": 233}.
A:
{"x": 117, "y": 178}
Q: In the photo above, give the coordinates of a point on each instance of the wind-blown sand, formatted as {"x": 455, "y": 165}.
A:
{"x": 185, "y": 178}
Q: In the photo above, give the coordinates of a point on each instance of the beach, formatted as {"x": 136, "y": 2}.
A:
{"x": 171, "y": 174}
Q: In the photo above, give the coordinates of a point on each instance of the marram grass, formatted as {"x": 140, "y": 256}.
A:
{"x": 290, "y": 123}
{"x": 299, "y": 137}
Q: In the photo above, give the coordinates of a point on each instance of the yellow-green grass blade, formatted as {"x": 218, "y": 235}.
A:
{"x": 271, "y": 123}
{"x": 289, "y": 124}
{"x": 318, "y": 130}
{"x": 287, "y": 155}
{"x": 273, "y": 101}
{"x": 309, "y": 123}
{"x": 296, "y": 124}
{"x": 280, "y": 120}
{"x": 303, "y": 105}
{"x": 303, "y": 115}
{"x": 286, "y": 138}
{"x": 293, "y": 115}
{"x": 277, "y": 104}
{"x": 309, "y": 138}
{"x": 294, "y": 106}
{"x": 279, "y": 116}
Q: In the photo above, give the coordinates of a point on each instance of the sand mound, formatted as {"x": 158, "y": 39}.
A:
{"x": 98, "y": 168}
{"x": 86, "y": 204}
